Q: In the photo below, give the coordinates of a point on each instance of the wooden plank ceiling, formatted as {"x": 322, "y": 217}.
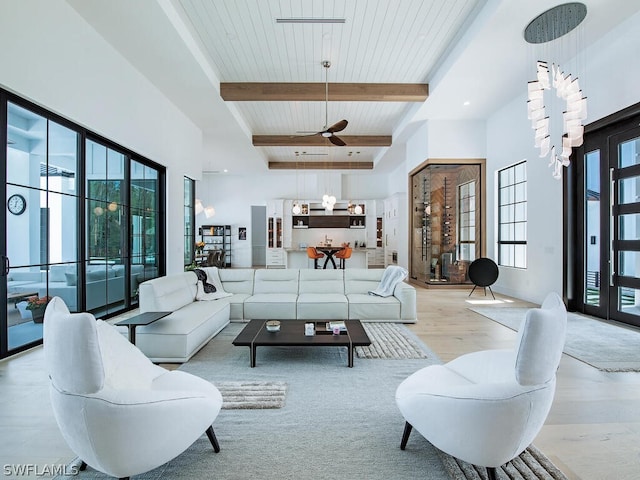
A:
{"x": 271, "y": 67}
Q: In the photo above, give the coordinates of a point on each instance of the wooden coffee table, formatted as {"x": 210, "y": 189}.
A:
{"x": 291, "y": 334}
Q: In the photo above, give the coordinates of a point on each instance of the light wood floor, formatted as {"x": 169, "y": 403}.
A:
{"x": 592, "y": 432}
{"x": 593, "y": 429}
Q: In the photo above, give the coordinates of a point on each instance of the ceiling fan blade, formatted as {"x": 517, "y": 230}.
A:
{"x": 338, "y": 127}
{"x": 337, "y": 141}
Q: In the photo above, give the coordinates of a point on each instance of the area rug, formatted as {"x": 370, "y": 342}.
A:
{"x": 337, "y": 423}
{"x": 252, "y": 394}
{"x": 390, "y": 340}
{"x": 532, "y": 464}
{"x": 603, "y": 345}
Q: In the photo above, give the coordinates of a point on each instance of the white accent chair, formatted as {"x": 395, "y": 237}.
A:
{"x": 486, "y": 407}
{"x": 117, "y": 411}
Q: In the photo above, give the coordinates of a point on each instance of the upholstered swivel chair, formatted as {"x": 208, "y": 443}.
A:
{"x": 343, "y": 255}
{"x": 116, "y": 410}
{"x": 315, "y": 255}
{"x": 487, "y": 407}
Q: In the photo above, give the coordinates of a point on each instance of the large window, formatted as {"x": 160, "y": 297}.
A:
{"x": 84, "y": 220}
{"x": 512, "y": 216}
{"x": 41, "y": 220}
{"x": 189, "y": 219}
{"x": 122, "y": 240}
{"x": 467, "y": 221}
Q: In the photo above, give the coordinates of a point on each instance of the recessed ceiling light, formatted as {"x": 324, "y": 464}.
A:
{"x": 467, "y": 103}
{"x": 225, "y": 170}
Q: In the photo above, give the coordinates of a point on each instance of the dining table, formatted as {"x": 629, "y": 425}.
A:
{"x": 329, "y": 252}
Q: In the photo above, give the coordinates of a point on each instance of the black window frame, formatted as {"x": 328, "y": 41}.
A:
{"x": 501, "y": 188}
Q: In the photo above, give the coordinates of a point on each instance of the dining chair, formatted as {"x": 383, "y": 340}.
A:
{"x": 343, "y": 255}
{"x": 314, "y": 255}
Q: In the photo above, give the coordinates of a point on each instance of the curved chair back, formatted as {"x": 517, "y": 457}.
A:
{"x": 71, "y": 350}
{"x": 313, "y": 254}
{"x": 541, "y": 339}
{"x": 344, "y": 254}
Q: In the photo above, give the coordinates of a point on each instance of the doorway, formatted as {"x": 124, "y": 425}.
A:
{"x": 608, "y": 186}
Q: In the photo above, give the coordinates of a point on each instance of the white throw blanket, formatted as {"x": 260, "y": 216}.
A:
{"x": 390, "y": 278}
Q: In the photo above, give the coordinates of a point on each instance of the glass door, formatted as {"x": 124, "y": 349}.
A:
{"x": 40, "y": 221}
{"x": 610, "y": 271}
{"x": 624, "y": 256}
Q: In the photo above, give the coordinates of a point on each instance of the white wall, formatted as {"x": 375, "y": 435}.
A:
{"x": 65, "y": 66}
{"x": 610, "y": 83}
{"x": 446, "y": 139}
{"x": 510, "y": 140}
{"x": 456, "y": 139}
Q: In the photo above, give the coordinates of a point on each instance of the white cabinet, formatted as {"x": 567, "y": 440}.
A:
{"x": 370, "y": 214}
{"x": 391, "y": 229}
{"x": 375, "y": 257}
{"x": 287, "y": 223}
{"x": 275, "y": 256}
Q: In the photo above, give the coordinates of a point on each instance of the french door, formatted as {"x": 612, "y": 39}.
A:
{"x": 39, "y": 221}
{"x": 610, "y": 268}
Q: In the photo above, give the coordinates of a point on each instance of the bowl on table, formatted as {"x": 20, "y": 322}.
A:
{"x": 273, "y": 326}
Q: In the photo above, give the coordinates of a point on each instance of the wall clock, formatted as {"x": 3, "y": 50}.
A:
{"x": 17, "y": 204}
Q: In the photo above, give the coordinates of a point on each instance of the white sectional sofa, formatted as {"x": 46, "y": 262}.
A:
{"x": 192, "y": 324}
{"x": 261, "y": 294}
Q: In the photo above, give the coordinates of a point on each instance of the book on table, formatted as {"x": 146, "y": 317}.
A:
{"x": 336, "y": 323}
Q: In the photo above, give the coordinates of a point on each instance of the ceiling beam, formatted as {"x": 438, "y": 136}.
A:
{"x": 320, "y": 165}
{"x": 320, "y": 141}
{"x": 315, "y": 92}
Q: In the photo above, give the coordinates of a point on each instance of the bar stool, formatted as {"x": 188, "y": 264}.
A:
{"x": 315, "y": 255}
{"x": 343, "y": 254}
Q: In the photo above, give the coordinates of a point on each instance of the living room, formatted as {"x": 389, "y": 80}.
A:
{"x": 62, "y": 59}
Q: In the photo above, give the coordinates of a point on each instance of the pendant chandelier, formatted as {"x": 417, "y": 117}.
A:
{"x": 568, "y": 89}
{"x": 547, "y": 27}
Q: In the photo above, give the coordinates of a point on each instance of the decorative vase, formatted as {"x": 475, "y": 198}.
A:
{"x": 38, "y": 314}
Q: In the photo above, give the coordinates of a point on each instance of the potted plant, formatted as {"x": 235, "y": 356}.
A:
{"x": 37, "y": 306}
{"x": 199, "y": 247}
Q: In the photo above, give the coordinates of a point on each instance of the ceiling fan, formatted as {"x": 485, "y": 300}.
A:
{"x": 329, "y": 132}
